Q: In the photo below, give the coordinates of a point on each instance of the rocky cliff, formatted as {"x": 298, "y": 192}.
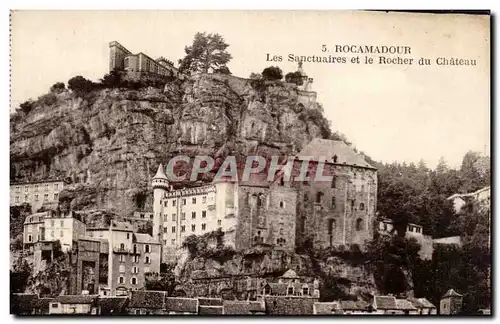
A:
{"x": 109, "y": 142}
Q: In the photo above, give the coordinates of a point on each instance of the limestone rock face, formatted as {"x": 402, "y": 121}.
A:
{"x": 108, "y": 143}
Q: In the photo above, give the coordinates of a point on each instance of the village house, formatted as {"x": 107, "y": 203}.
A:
{"x": 37, "y": 194}
{"x": 451, "y": 303}
{"x": 482, "y": 196}
{"x": 74, "y": 304}
{"x": 424, "y": 306}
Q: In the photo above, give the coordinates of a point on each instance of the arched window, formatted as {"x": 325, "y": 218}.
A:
{"x": 359, "y": 224}
{"x": 361, "y": 206}
{"x": 122, "y": 246}
{"x": 335, "y": 158}
{"x": 134, "y": 281}
{"x": 135, "y": 249}
{"x": 259, "y": 200}
{"x": 319, "y": 195}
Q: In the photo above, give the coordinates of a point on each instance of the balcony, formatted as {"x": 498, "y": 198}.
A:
{"x": 125, "y": 250}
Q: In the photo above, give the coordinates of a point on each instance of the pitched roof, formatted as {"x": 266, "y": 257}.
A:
{"x": 353, "y": 305}
{"x": 144, "y": 238}
{"x": 147, "y": 299}
{"x": 76, "y": 299}
{"x": 257, "y": 306}
{"x": 451, "y": 293}
{"x": 323, "y": 148}
{"x": 180, "y": 304}
{"x": 290, "y": 274}
{"x": 121, "y": 226}
{"x": 426, "y": 303}
{"x": 415, "y": 302}
{"x": 384, "y": 302}
{"x": 405, "y": 304}
{"x": 205, "y": 301}
{"x": 160, "y": 174}
{"x": 326, "y": 308}
{"x": 112, "y": 305}
{"x": 210, "y": 310}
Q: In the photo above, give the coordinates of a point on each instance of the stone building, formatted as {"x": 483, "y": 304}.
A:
{"x": 130, "y": 256}
{"x": 340, "y": 211}
{"x": 52, "y": 226}
{"x": 37, "y": 194}
{"x": 140, "y": 64}
{"x": 248, "y": 213}
{"x": 451, "y": 303}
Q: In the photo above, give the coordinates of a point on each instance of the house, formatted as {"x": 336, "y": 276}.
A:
{"x": 277, "y": 305}
{"x": 355, "y": 307}
{"x": 23, "y": 304}
{"x": 147, "y": 302}
{"x": 112, "y": 305}
{"x": 406, "y": 307}
{"x": 327, "y": 308}
{"x": 451, "y": 303}
{"x": 74, "y": 304}
{"x": 385, "y": 305}
{"x": 244, "y": 307}
{"x": 423, "y": 306}
{"x": 482, "y": 196}
{"x": 181, "y": 305}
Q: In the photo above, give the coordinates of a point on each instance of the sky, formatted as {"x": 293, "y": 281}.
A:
{"x": 391, "y": 112}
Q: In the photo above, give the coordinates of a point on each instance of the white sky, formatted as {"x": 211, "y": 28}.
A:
{"x": 401, "y": 113}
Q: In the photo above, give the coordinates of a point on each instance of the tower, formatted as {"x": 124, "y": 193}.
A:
{"x": 160, "y": 187}
{"x": 451, "y": 303}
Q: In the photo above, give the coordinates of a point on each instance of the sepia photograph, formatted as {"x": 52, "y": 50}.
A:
{"x": 214, "y": 163}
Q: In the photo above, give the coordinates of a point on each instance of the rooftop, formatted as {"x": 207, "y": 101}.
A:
{"x": 328, "y": 149}
{"x": 384, "y": 302}
{"x": 147, "y": 299}
{"x": 76, "y": 299}
{"x": 451, "y": 293}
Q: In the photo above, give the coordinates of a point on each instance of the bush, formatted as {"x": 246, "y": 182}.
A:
{"x": 80, "y": 85}
{"x": 294, "y": 77}
{"x": 272, "y": 73}
{"x": 58, "y": 87}
{"x": 113, "y": 79}
{"x": 27, "y": 106}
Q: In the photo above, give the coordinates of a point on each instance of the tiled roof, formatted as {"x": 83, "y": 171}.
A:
{"x": 426, "y": 303}
{"x": 353, "y": 305}
{"x": 385, "y": 302}
{"x": 236, "y": 307}
{"x": 76, "y": 299}
{"x": 144, "y": 238}
{"x": 415, "y": 302}
{"x": 112, "y": 305}
{"x": 147, "y": 299}
{"x": 326, "y": 308}
{"x": 290, "y": 274}
{"x": 121, "y": 226}
{"x": 289, "y": 306}
{"x": 210, "y": 310}
{"x": 179, "y": 304}
{"x": 204, "y": 301}
{"x": 405, "y": 304}
{"x": 451, "y": 293}
{"x": 323, "y": 148}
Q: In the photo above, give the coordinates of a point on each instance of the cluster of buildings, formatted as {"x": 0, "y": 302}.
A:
{"x": 279, "y": 214}
{"x": 111, "y": 260}
{"x": 147, "y": 302}
{"x": 139, "y": 65}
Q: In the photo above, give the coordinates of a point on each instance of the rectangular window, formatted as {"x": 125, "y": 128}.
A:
{"x": 219, "y": 222}
{"x": 56, "y": 186}
{"x": 173, "y": 229}
{"x": 18, "y": 189}
{"x": 122, "y": 258}
{"x": 193, "y": 228}
{"x": 26, "y": 188}
{"x": 165, "y": 203}
{"x": 36, "y": 197}
{"x": 36, "y": 187}
{"x": 333, "y": 202}
{"x": 204, "y": 199}
{"x": 203, "y": 226}
{"x": 174, "y": 217}
{"x": 62, "y": 222}
{"x": 46, "y": 187}
{"x": 56, "y": 195}
{"x": 203, "y": 213}
{"x": 183, "y": 201}
{"x": 183, "y": 216}
{"x": 45, "y": 197}
{"x": 183, "y": 228}
{"x": 142, "y": 216}
{"x": 193, "y": 215}
{"x": 193, "y": 200}
{"x": 17, "y": 198}
{"x": 334, "y": 182}
{"x": 173, "y": 203}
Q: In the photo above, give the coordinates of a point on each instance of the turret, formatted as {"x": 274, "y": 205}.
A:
{"x": 160, "y": 186}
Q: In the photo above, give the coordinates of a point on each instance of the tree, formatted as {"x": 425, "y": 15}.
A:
{"x": 272, "y": 73}
{"x": 26, "y": 106}
{"x": 207, "y": 54}
{"x": 255, "y": 76}
{"x": 294, "y": 77}
{"x": 58, "y": 87}
{"x": 80, "y": 85}
{"x": 112, "y": 79}
{"x": 163, "y": 281}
